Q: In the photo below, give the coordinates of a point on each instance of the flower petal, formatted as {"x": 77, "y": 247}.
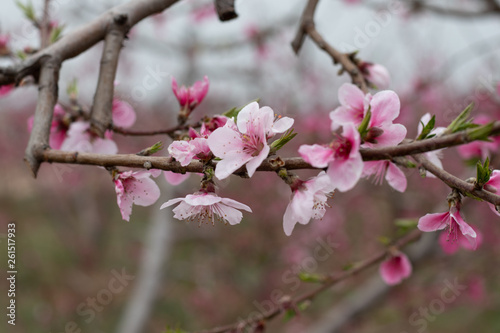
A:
{"x": 433, "y": 222}
{"x": 316, "y": 155}
{"x": 395, "y": 177}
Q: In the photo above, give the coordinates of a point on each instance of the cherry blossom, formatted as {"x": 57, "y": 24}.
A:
{"x": 206, "y": 207}
{"x": 123, "y": 114}
{"x": 395, "y": 269}
{"x": 308, "y": 201}
{"x": 190, "y": 97}
{"x": 376, "y": 74}
{"x": 246, "y": 141}
{"x": 58, "y": 128}
{"x": 384, "y": 107}
{"x": 135, "y": 187}
{"x": 80, "y": 138}
{"x": 342, "y": 157}
{"x": 451, "y": 246}
{"x": 394, "y": 176}
{"x": 174, "y": 178}
{"x": 493, "y": 185}
{"x": 452, "y": 221}
{"x": 5, "y": 90}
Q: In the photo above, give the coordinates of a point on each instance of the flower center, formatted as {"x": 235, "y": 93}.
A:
{"x": 341, "y": 146}
{"x": 252, "y": 144}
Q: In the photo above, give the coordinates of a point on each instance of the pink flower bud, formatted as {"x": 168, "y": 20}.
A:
{"x": 190, "y": 97}
{"x": 377, "y": 74}
{"x": 395, "y": 269}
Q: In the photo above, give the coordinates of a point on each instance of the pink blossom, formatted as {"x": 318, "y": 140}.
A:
{"x": 206, "y": 207}
{"x": 452, "y": 246}
{"x": 135, "y": 187}
{"x": 58, "y": 127}
{"x": 174, "y": 178}
{"x": 395, "y": 269}
{"x": 376, "y": 74}
{"x": 384, "y": 107}
{"x": 308, "y": 201}
{"x": 394, "y": 176}
{"x": 452, "y": 221}
{"x": 342, "y": 158}
{"x": 479, "y": 149}
{"x": 5, "y": 90}
{"x": 190, "y": 97}
{"x": 246, "y": 141}
{"x": 493, "y": 185}
{"x": 203, "y": 12}
{"x": 79, "y": 138}
{"x": 185, "y": 151}
{"x": 123, "y": 113}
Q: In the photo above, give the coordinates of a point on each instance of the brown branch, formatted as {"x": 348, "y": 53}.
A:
{"x": 225, "y": 10}
{"x": 457, "y": 183}
{"x": 331, "y": 280}
{"x": 45, "y": 26}
{"x": 492, "y": 8}
{"x": 100, "y": 115}
{"x": 80, "y": 40}
{"x": 47, "y": 99}
{"x": 347, "y": 62}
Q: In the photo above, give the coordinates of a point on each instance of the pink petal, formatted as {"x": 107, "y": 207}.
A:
{"x": 203, "y": 199}
{"x": 282, "y": 124}
{"x": 396, "y": 178}
{"x": 171, "y": 202}
{"x": 256, "y": 161}
{"x": 393, "y": 135}
{"x": 174, "y": 178}
{"x": 245, "y": 117}
{"x": 466, "y": 229}
{"x": 379, "y": 76}
{"x": 350, "y": 95}
{"x": 230, "y": 163}
{"x": 223, "y": 141}
{"x": 123, "y": 113}
{"x": 144, "y": 192}
{"x": 199, "y": 90}
{"x": 345, "y": 173}
{"x": 433, "y": 222}
{"x": 182, "y": 151}
{"x": 230, "y": 214}
{"x": 448, "y": 245}
{"x": 104, "y": 146}
{"x": 316, "y": 155}
{"x": 395, "y": 269}
{"x": 494, "y": 180}
{"x": 385, "y": 107}
{"x": 235, "y": 204}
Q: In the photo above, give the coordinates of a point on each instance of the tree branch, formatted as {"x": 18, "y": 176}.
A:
{"x": 47, "y": 99}
{"x": 308, "y": 27}
{"x": 225, "y": 10}
{"x": 330, "y": 281}
{"x": 80, "y": 40}
{"x": 454, "y": 182}
{"x": 100, "y": 115}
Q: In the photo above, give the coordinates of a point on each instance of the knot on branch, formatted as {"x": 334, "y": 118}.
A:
{"x": 225, "y": 10}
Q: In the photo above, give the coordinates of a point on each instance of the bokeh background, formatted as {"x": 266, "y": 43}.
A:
{"x": 71, "y": 240}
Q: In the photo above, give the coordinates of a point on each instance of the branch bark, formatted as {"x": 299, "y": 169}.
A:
{"x": 47, "y": 99}
{"x": 101, "y": 118}
{"x": 225, "y": 10}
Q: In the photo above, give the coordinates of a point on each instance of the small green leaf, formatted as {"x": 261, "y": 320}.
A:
{"x": 384, "y": 240}
{"x": 363, "y": 127}
{"x": 481, "y": 132}
{"x": 427, "y": 128}
{"x": 483, "y": 172}
{"x": 21, "y": 55}
{"x": 151, "y": 150}
{"x": 56, "y": 33}
{"x": 462, "y": 121}
{"x": 314, "y": 278}
{"x": 348, "y": 267}
{"x": 285, "y": 138}
{"x": 289, "y": 314}
{"x": 27, "y": 10}
{"x": 406, "y": 223}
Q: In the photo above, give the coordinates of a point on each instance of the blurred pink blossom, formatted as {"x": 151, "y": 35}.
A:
{"x": 206, "y": 207}
{"x": 80, "y": 138}
{"x": 174, "y": 178}
{"x": 376, "y": 74}
{"x": 58, "y": 127}
{"x": 342, "y": 158}
{"x": 245, "y": 142}
{"x": 433, "y": 156}
{"x": 308, "y": 201}
{"x": 204, "y": 12}
{"x": 135, "y": 187}
{"x": 453, "y": 221}
{"x": 123, "y": 113}
{"x": 395, "y": 269}
{"x": 5, "y": 90}
{"x": 493, "y": 185}
{"x": 479, "y": 149}
{"x": 184, "y": 151}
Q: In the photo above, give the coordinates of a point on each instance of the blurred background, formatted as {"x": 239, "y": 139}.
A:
{"x": 72, "y": 243}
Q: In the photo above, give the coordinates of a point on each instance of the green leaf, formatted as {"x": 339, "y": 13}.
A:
{"x": 427, "y": 128}
{"x": 233, "y": 112}
{"x": 151, "y": 150}
{"x": 384, "y": 240}
{"x": 481, "y": 132}
{"x": 314, "y": 278}
{"x": 406, "y": 223}
{"x": 363, "y": 127}
{"x": 21, "y": 55}
{"x": 483, "y": 172}
{"x": 285, "y": 138}
{"x": 27, "y": 10}
{"x": 289, "y": 314}
{"x": 462, "y": 121}
{"x": 56, "y": 33}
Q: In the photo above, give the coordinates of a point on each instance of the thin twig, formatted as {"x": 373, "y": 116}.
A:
{"x": 45, "y": 26}
{"x": 457, "y": 183}
{"x": 100, "y": 115}
{"x": 327, "y": 284}
{"x": 225, "y": 10}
